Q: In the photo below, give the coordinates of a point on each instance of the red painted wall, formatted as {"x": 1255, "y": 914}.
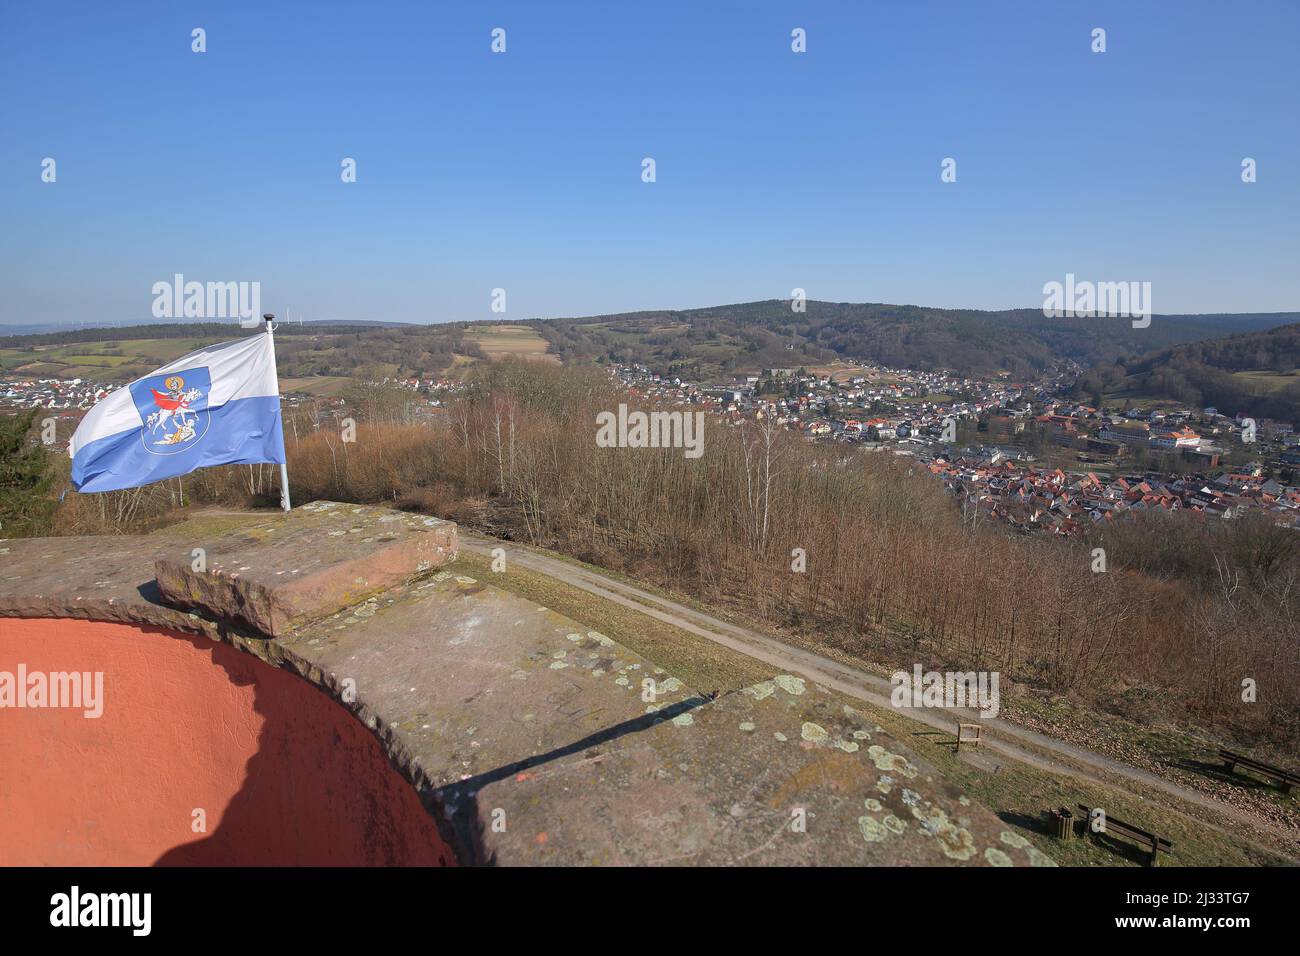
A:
{"x": 286, "y": 775}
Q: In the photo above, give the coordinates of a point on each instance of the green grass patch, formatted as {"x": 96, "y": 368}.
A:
{"x": 90, "y": 359}
{"x": 1268, "y": 381}
{"x": 105, "y": 361}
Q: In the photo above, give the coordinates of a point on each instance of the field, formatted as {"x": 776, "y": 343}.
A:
{"x": 320, "y": 363}
{"x": 1124, "y": 392}
{"x": 108, "y": 361}
{"x": 1268, "y": 381}
{"x": 498, "y": 341}
{"x": 323, "y": 386}
{"x": 837, "y": 371}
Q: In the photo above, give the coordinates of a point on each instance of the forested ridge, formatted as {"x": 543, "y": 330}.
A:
{"x": 771, "y": 334}
{"x": 1252, "y": 374}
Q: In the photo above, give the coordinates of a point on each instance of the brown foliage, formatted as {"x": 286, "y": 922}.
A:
{"x": 1184, "y": 614}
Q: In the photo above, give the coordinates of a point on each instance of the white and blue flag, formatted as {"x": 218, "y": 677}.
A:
{"x": 217, "y": 406}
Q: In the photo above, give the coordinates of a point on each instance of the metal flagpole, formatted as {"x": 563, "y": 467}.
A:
{"x": 284, "y": 467}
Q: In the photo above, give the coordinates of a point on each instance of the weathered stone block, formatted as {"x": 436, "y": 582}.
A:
{"x": 289, "y": 570}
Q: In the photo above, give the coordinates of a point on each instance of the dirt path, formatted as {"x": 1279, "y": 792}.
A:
{"x": 1000, "y": 736}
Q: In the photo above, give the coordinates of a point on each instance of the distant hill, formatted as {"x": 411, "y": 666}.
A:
{"x": 752, "y": 335}
{"x": 91, "y": 332}
{"x": 696, "y": 343}
{"x": 371, "y": 349}
{"x": 1254, "y": 373}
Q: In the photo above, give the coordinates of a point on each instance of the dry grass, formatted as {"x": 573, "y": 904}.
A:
{"x": 325, "y": 386}
{"x": 499, "y": 341}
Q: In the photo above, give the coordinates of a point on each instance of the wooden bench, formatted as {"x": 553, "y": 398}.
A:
{"x": 1285, "y": 779}
{"x": 1153, "y": 844}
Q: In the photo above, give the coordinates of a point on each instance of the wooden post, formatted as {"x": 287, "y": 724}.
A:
{"x": 974, "y": 741}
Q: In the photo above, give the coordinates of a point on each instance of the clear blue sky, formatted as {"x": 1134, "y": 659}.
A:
{"x": 523, "y": 170}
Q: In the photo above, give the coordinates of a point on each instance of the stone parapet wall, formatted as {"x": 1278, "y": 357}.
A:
{"x": 527, "y": 737}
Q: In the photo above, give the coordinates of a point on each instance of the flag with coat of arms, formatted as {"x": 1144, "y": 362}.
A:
{"x": 219, "y": 405}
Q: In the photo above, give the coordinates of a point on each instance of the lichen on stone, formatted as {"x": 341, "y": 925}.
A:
{"x": 1013, "y": 839}
{"x": 884, "y": 760}
{"x": 813, "y": 732}
{"x": 790, "y": 684}
{"x": 996, "y": 857}
{"x": 873, "y": 831}
{"x": 955, "y": 842}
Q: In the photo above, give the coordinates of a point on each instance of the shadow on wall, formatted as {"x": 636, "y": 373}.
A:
{"x": 282, "y": 773}
{"x": 319, "y": 791}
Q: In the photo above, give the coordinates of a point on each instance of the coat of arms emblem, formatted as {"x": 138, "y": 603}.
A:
{"x": 174, "y": 408}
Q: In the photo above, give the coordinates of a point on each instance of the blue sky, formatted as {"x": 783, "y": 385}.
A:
{"x": 522, "y": 170}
